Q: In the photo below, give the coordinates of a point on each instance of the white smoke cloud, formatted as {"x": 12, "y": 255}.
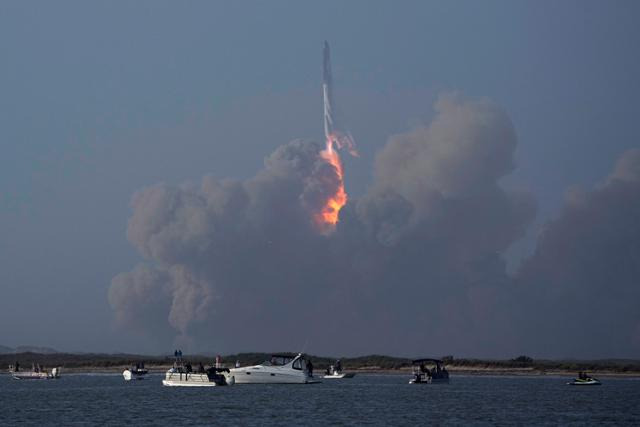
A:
{"x": 141, "y": 298}
{"x": 414, "y": 267}
{"x": 580, "y": 290}
{"x": 433, "y": 227}
{"x": 224, "y": 243}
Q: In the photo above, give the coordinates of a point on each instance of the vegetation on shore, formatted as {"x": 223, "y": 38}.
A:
{"x": 372, "y": 362}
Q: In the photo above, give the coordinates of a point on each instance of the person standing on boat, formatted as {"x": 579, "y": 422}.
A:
{"x": 310, "y": 367}
{"x": 338, "y": 366}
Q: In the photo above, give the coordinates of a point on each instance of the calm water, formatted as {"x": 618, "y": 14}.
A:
{"x": 365, "y": 399}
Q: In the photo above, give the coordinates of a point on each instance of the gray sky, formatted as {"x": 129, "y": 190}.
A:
{"x": 100, "y": 100}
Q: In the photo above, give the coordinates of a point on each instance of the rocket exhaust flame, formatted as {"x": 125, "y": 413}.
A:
{"x": 327, "y": 218}
{"x": 335, "y": 140}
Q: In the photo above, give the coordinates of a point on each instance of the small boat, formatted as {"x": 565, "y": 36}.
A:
{"x": 281, "y": 369}
{"x": 584, "y": 379}
{"x": 183, "y": 375}
{"x": 137, "y": 372}
{"x": 339, "y": 375}
{"x": 36, "y": 373}
{"x": 211, "y": 377}
{"x": 423, "y": 375}
{"x": 335, "y": 372}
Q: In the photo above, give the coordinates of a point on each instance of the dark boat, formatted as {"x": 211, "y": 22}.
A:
{"x": 422, "y": 374}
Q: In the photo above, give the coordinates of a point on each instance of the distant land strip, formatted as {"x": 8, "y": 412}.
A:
{"x": 522, "y": 365}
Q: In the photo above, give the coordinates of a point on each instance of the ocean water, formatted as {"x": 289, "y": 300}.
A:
{"x": 77, "y": 399}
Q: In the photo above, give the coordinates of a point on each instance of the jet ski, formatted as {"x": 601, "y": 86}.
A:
{"x": 584, "y": 379}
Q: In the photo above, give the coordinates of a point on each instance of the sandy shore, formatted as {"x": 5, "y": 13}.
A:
{"x": 454, "y": 370}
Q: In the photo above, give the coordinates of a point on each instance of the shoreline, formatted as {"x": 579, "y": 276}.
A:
{"x": 374, "y": 364}
{"x": 453, "y": 370}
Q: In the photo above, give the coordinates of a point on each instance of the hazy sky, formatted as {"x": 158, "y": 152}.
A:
{"x": 101, "y": 100}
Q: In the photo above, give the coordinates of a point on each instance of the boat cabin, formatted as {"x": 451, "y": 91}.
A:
{"x": 298, "y": 361}
{"x": 426, "y": 371}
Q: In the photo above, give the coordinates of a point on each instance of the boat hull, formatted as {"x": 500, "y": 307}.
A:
{"x": 133, "y": 375}
{"x": 339, "y": 376}
{"x": 169, "y": 383}
{"x": 429, "y": 381}
{"x": 582, "y": 383}
{"x": 177, "y": 379}
{"x": 270, "y": 375}
{"x": 30, "y": 375}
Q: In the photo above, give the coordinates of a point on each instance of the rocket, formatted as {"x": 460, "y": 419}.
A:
{"x": 326, "y": 91}
{"x": 335, "y": 139}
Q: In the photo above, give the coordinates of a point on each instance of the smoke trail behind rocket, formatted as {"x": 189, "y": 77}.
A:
{"x": 334, "y": 136}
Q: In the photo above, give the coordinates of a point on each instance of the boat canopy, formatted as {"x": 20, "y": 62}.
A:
{"x": 419, "y": 361}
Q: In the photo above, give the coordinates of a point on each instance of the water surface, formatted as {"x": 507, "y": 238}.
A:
{"x": 366, "y": 399}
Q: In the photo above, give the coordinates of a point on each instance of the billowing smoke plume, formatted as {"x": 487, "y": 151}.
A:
{"x": 413, "y": 267}
{"x": 581, "y": 288}
{"x": 229, "y": 252}
{"x": 432, "y": 229}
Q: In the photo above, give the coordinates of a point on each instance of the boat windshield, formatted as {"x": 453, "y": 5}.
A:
{"x": 279, "y": 360}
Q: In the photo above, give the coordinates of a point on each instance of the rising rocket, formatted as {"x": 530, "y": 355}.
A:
{"x": 327, "y": 217}
{"x": 326, "y": 91}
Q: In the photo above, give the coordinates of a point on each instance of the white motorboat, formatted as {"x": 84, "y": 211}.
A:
{"x": 137, "y": 372}
{"x": 335, "y": 372}
{"x": 281, "y": 369}
{"x": 36, "y": 373}
{"x": 183, "y": 375}
{"x": 211, "y": 377}
{"x": 423, "y": 375}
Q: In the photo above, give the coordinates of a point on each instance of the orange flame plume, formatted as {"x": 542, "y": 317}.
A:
{"x": 327, "y": 219}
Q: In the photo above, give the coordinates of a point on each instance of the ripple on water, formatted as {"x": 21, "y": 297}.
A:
{"x": 365, "y": 399}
